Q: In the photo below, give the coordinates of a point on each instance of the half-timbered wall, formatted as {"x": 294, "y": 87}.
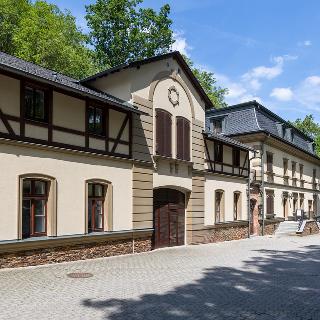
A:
{"x": 67, "y": 121}
{"x": 227, "y": 165}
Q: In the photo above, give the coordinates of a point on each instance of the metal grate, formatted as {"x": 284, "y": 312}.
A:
{"x": 80, "y": 275}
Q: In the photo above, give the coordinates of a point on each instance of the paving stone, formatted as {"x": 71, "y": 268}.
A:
{"x": 261, "y": 278}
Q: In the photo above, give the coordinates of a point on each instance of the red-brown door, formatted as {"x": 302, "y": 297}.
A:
{"x": 169, "y": 218}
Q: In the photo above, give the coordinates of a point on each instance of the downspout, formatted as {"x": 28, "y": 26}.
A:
{"x": 249, "y": 194}
{"x": 262, "y": 183}
{"x": 262, "y": 186}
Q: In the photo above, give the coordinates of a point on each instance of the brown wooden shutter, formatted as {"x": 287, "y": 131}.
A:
{"x": 183, "y": 139}
{"x": 163, "y": 133}
{"x": 180, "y": 153}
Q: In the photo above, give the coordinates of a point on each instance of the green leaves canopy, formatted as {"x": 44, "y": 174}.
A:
{"x": 41, "y": 33}
{"x": 121, "y": 32}
{"x": 311, "y": 128}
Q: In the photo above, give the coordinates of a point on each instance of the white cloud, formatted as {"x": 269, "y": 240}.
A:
{"x": 308, "y": 93}
{"x": 180, "y": 43}
{"x": 282, "y": 94}
{"x": 268, "y": 73}
{"x": 305, "y": 43}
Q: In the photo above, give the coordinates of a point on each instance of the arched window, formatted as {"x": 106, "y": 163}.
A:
{"x": 98, "y": 205}
{"x": 237, "y": 205}
{"x": 163, "y": 133}
{"x": 219, "y": 206}
{"x": 183, "y": 139}
{"x": 37, "y": 206}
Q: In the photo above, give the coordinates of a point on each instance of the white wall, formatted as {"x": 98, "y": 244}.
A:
{"x": 229, "y": 185}
{"x": 71, "y": 171}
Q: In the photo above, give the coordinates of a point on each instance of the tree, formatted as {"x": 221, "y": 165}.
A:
{"x": 311, "y": 128}
{"x": 41, "y": 33}
{"x": 122, "y": 32}
{"x": 209, "y": 84}
{"x": 11, "y": 12}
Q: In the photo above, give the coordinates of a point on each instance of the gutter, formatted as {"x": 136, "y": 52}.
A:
{"x": 59, "y": 85}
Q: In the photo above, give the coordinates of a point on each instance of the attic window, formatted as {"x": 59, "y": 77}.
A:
{"x": 216, "y": 126}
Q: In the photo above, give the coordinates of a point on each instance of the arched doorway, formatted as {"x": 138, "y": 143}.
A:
{"x": 169, "y": 218}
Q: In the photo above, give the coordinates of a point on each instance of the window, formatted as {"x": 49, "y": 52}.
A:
{"x": 219, "y": 206}
{"x": 35, "y": 103}
{"x": 301, "y": 198}
{"x": 183, "y": 139}
{"x": 236, "y": 205}
{"x": 216, "y": 126}
{"x": 295, "y": 203}
{"x": 269, "y": 162}
{"x": 270, "y": 202}
{"x": 96, "y": 121}
{"x": 163, "y": 133}
{"x": 236, "y": 157}
{"x": 301, "y": 171}
{"x": 96, "y": 196}
{"x": 218, "y": 152}
{"x": 34, "y": 208}
{"x": 294, "y": 165}
{"x": 285, "y": 167}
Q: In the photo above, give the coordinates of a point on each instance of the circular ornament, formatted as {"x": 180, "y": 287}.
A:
{"x": 173, "y": 95}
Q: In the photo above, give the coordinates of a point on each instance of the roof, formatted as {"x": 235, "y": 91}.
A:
{"x": 134, "y": 64}
{"x": 252, "y": 117}
{"x": 227, "y": 140}
{"x": 22, "y": 67}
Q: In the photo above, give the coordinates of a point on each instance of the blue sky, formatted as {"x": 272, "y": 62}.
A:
{"x": 265, "y": 50}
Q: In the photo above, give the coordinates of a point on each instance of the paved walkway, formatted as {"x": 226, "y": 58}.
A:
{"x": 260, "y": 278}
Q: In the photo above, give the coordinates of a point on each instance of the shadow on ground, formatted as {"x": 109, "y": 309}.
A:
{"x": 278, "y": 285}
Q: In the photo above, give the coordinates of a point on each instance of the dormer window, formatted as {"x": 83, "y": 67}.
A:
{"x": 216, "y": 126}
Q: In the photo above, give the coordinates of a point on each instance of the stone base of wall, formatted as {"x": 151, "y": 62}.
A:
{"x": 74, "y": 252}
{"x": 311, "y": 227}
{"x": 221, "y": 232}
{"x": 270, "y": 226}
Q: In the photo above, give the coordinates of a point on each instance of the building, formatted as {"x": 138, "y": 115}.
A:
{"x": 285, "y": 168}
{"x": 116, "y": 163}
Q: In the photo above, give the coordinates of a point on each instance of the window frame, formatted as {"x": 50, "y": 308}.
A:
{"x": 236, "y": 156}
{"x": 218, "y": 152}
{"x": 237, "y": 206}
{"x": 270, "y": 205}
{"x": 217, "y": 129}
{"x": 185, "y": 144}
{"x": 46, "y": 102}
{"x": 94, "y": 198}
{"x": 32, "y": 197}
{"x": 219, "y": 214}
{"x": 163, "y": 144}
{"x": 269, "y": 156}
{"x": 104, "y": 130}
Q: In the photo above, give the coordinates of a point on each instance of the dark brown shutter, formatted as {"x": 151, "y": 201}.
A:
{"x": 180, "y": 138}
{"x": 183, "y": 139}
{"x": 163, "y": 133}
{"x": 168, "y": 135}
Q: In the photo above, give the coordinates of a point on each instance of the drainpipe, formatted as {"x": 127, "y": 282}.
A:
{"x": 262, "y": 182}
{"x": 262, "y": 186}
{"x": 249, "y": 192}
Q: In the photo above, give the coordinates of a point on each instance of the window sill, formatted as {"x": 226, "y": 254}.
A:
{"x": 170, "y": 159}
{"x": 42, "y": 123}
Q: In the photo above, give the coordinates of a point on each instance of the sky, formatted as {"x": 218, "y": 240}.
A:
{"x": 266, "y": 50}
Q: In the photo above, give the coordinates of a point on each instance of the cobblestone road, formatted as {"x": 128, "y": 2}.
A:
{"x": 260, "y": 278}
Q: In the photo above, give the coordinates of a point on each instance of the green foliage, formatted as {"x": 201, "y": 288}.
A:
{"x": 122, "y": 32}
{"x": 208, "y": 83}
{"x": 41, "y": 33}
{"x": 11, "y": 12}
{"x": 311, "y": 128}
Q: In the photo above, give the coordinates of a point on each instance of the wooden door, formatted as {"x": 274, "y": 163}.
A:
{"x": 169, "y": 218}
